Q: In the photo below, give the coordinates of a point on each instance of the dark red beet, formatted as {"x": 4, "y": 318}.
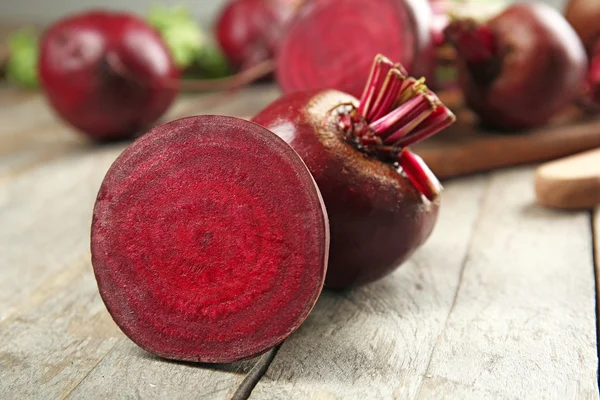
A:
{"x": 378, "y": 218}
{"x": 584, "y": 16}
{"x": 209, "y": 240}
{"x": 331, "y": 43}
{"x": 249, "y": 31}
{"x": 593, "y": 79}
{"x": 521, "y": 67}
{"x": 108, "y": 74}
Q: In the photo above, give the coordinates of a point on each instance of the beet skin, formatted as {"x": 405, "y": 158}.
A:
{"x": 250, "y": 31}
{"x": 209, "y": 240}
{"x": 521, "y": 67}
{"x": 377, "y": 217}
{"x": 108, "y": 74}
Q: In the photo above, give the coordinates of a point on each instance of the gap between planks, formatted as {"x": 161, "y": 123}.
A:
{"x": 595, "y": 228}
{"x": 523, "y": 325}
{"x": 480, "y": 207}
{"x": 31, "y": 143}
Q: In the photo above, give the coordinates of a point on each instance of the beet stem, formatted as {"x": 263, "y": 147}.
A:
{"x": 388, "y": 95}
{"x": 420, "y": 175}
{"x": 396, "y": 111}
{"x": 438, "y": 120}
{"x": 239, "y": 80}
{"x": 401, "y": 116}
{"x": 381, "y": 66}
{"x": 236, "y": 81}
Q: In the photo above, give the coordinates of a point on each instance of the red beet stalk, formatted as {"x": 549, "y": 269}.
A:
{"x": 394, "y": 112}
{"x": 382, "y": 199}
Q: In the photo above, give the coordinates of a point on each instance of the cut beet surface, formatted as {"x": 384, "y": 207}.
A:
{"x": 332, "y": 43}
{"x": 209, "y": 240}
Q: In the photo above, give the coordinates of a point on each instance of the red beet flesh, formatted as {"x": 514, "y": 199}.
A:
{"x": 76, "y": 68}
{"x": 331, "y": 43}
{"x": 209, "y": 240}
{"x": 250, "y": 31}
{"x": 378, "y": 218}
{"x": 521, "y": 67}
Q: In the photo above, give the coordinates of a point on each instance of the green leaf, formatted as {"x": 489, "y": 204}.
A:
{"x": 180, "y": 31}
{"x": 212, "y": 63}
{"x": 21, "y": 67}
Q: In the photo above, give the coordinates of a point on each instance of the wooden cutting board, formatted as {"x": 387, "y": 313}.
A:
{"x": 571, "y": 182}
{"x": 465, "y": 148}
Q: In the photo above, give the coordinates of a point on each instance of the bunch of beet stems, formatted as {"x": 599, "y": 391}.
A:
{"x": 395, "y": 112}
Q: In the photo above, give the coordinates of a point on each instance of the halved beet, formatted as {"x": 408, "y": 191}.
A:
{"x": 209, "y": 240}
{"x": 331, "y": 43}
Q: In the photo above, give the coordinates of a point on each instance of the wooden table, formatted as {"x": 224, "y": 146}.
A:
{"x": 500, "y": 303}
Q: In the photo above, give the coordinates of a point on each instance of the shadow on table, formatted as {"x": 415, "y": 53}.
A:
{"x": 239, "y": 367}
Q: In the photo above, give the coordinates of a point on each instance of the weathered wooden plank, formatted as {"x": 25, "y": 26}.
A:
{"x": 31, "y": 135}
{"x": 32, "y": 112}
{"x": 12, "y": 95}
{"x": 520, "y": 313}
{"x": 54, "y": 329}
{"x": 58, "y": 335}
{"x": 523, "y": 320}
{"x": 45, "y": 217}
{"x": 375, "y": 341}
{"x": 129, "y": 372}
{"x": 596, "y": 235}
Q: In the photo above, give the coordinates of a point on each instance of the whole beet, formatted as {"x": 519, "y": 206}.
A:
{"x": 521, "y": 67}
{"x": 378, "y": 216}
{"x": 250, "y": 31}
{"x": 583, "y": 15}
{"x": 108, "y": 74}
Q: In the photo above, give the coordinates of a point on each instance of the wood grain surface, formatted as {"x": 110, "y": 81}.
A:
{"x": 465, "y": 148}
{"x": 570, "y": 183}
{"x": 499, "y": 304}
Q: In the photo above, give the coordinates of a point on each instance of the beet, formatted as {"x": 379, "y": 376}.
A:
{"x": 108, "y": 74}
{"x": 521, "y": 67}
{"x": 331, "y": 43}
{"x": 382, "y": 200}
{"x": 209, "y": 240}
{"x": 250, "y": 31}
{"x": 584, "y": 17}
{"x": 592, "y": 89}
